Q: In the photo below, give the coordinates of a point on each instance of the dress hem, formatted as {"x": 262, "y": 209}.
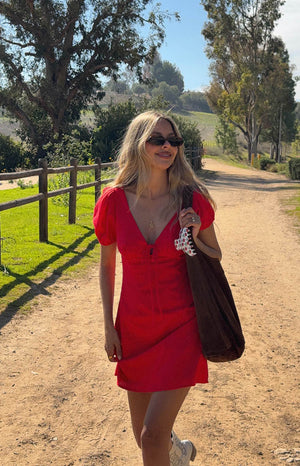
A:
{"x": 155, "y": 389}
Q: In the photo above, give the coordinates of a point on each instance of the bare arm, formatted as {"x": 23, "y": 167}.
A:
{"x": 107, "y": 286}
{"x": 205, "y": 240}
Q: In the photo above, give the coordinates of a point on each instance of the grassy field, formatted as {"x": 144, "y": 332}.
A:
{"x": 29, "y": 267}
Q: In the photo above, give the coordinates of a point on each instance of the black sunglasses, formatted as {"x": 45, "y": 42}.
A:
{"x": 160, "y": 140}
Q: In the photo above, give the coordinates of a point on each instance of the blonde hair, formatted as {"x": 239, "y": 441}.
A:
{"x": 134, "y": 161}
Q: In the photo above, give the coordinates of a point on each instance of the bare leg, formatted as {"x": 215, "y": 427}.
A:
{"x": 153, "y": 416}
{"x": 138, "y": 405}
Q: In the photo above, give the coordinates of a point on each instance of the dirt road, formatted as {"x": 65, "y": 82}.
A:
{"x": 59, "y": 400}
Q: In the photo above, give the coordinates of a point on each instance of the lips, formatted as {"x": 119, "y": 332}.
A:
{"x": 164, "y": 155}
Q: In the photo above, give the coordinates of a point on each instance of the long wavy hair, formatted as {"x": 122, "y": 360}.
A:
{"x": 135, "y": 164}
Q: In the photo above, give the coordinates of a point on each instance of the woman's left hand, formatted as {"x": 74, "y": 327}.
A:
{"x": 189, "y": 218}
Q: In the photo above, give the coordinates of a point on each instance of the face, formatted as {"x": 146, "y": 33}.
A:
{"x": 164, "y": 155}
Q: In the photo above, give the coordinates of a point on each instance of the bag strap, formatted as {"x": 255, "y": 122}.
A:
{"x": 187, "y": 197}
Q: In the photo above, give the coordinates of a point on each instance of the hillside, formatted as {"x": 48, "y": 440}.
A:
{"x": 205, "y": 121}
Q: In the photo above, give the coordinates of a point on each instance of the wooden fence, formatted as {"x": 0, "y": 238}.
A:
{"x": 42, "y": 172}
{"x": 194, "y": 155}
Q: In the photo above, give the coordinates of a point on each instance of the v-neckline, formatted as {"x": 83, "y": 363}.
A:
{"x": 137, "y": 227}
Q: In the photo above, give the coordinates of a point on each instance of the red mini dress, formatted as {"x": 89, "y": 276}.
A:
{"x": 156, "y": 319}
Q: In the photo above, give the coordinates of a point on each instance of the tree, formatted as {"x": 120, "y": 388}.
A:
{"x": 225, "y": 134}
{"x": 53, "y": 53}
{"x": 111, "y": 125}
{"x": 170, "y": 93}
{"x": 280, "y": 118}
{"x": 139, "y": 89}
{"x": 192, "y": 100}
{"x": 114, "y": 121}
{"x": 164, "y": 71}
{"x": 119, "y": 86}
{"x": 11, "y": 154}
{"x": 243, "y": 50}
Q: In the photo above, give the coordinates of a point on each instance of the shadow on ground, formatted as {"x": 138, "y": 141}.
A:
{"x": 41, "y": 288}
{"x": 253, "y": 182}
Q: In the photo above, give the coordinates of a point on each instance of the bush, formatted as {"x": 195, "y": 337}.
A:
{"x": 75, "y": 145}
{"x": 11, "y": 154}
{"x": 193, "y": 143}
{"x": 265, "y": 163}
{"x": 111, "y": 126}
{"x": 294, "y": 168}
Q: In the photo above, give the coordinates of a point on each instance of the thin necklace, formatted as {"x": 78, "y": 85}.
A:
{"x": 151, "y": 225}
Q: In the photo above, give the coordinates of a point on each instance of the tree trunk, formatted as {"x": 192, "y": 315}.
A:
{"x": 249, "y": 144}
{"x": 277, "y": 152}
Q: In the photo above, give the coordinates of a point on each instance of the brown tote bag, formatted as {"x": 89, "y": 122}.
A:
{"x": 218, "y": 321}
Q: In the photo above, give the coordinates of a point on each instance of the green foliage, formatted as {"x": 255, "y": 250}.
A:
{"x": 296, "y": 142}
{"x": 114, "y": 121}
{"x": 111, "y": 124}
{"x": 225, "y": 134}
{"x": 23, "y": 185}
{"x": 192, "y": 100}
{"x": 164, "y": 71}
{"x": 28, "y": 263}
{"x": 297, "y": 112}
{"x": 117, "y": 85}
{"x": 294, "y": 168}
{"x": 158, "y": 103}
{"x": 190, "y": 133}
{"x": 250, "y": 68}
{"x": 53, "y": 55}
{"x": 12, "y": 155}
{"x": 62, "y": 180}
{"x": 75, "y": 145}
{"x": 139, "y": 89}
{"x": 265, "y": 163}
{"x": 169, "y": 93}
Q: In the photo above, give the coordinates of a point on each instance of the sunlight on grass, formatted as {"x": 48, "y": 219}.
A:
{"x": 25, "y": 262}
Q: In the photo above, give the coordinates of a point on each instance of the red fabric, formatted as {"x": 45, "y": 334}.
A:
{"x": 156, "y": 318}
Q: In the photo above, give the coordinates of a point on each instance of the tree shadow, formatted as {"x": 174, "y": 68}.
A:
{"x": 254, "y": 182}
{"x": 41, "y": 288}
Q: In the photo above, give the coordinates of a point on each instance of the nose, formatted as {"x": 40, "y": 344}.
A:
{"x": 166, "y": 143}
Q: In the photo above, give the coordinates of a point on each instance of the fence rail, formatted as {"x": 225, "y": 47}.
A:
{"x": 195, "y": 155}
{"x": 43, "y": 172}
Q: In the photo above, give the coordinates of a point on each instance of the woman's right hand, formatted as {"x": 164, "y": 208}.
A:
{"x": 113, "y": 345}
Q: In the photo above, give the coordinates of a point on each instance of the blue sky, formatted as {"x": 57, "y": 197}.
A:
{"x": 184, "y": 45}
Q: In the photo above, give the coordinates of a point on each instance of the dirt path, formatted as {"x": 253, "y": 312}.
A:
{"x": 59, "y": 400}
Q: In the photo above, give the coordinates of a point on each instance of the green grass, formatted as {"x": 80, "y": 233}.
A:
{"x": 207, "y": 119}
{"x": 28, "y": 267}
{"x": 240, "y": 162}
{"x": 206, "y": 123}
{"x": 292, "y": 208}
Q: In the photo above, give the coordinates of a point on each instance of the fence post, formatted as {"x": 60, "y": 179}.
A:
{"x": 43, "y": 203}
{"x": 97, "y": 178}
{"x": 73, "y": 192}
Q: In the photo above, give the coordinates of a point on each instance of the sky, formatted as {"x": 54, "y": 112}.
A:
{"x": 184, "y": 44}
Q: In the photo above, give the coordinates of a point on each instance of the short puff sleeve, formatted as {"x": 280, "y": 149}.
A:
{"x": 104, "y": 218}
{"x": 204, "y": 209}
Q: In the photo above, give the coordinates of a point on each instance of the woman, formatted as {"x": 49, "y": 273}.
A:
{"x": 154, "y": 340}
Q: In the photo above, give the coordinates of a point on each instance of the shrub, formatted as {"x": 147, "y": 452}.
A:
{"x": 76, "y": 145}
{"x": 11, "y": 154}
{"x": 111, "y": 126}
{"x": 265, "y": 163}
{"x": 294, "y": 168}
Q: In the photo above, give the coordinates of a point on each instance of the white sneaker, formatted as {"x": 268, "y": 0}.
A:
{"x": 182, "y": 451}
